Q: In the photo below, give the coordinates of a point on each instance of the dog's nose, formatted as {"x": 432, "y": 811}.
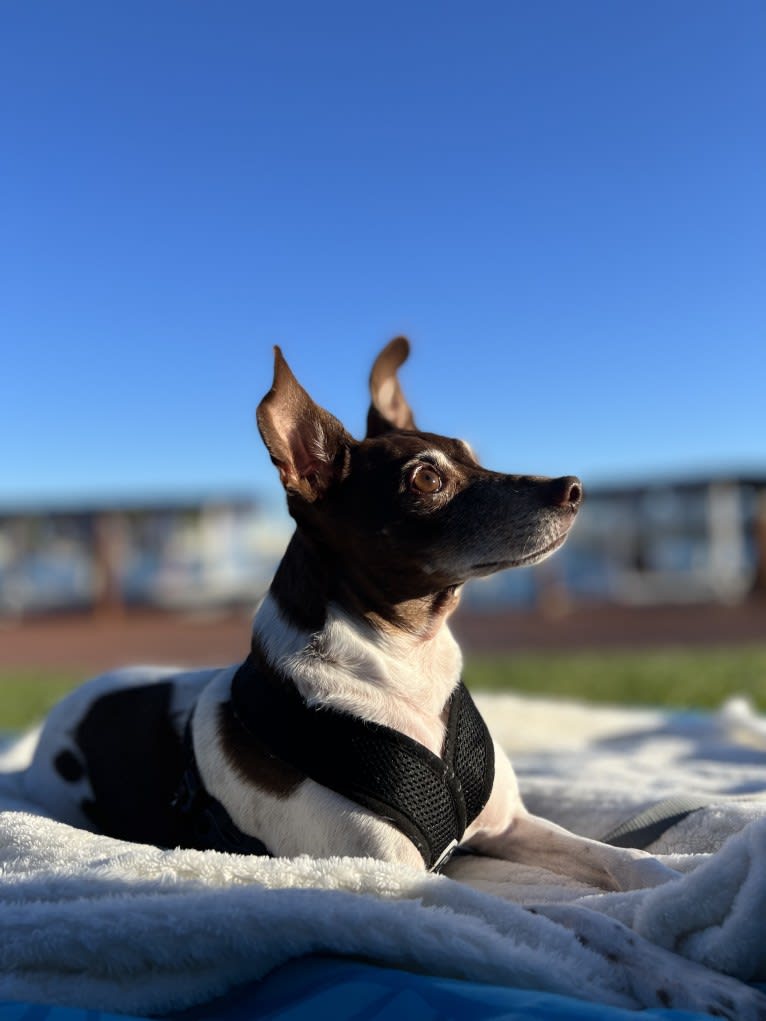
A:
{"x": 565, "y": 492}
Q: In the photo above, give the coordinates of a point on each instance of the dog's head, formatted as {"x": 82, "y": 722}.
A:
{"x": 404, "y": 513}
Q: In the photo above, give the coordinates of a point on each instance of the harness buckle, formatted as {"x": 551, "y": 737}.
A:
{"x": 445, "y": 856}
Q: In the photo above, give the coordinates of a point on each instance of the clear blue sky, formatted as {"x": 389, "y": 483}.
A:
{"x": 561, "y": 203}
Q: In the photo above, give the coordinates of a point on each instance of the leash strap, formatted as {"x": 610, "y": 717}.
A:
{"x": 431, "y": 799}
{"x": 642, "y": 830}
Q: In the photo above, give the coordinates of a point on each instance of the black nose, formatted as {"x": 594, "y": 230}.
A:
{"x": 565, "y": 492}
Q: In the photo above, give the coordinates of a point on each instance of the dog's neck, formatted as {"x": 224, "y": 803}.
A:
{"x": 395, "y": 665}
{"x": 308, "y": 581}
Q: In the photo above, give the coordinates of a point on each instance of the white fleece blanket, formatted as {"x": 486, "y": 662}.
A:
{"x": 99, "y": 923}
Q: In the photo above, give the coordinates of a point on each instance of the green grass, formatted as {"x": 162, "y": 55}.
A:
{"x": 26, "y": 695}
{"x": 691, "y": 678}
{"x": 683, "y": 677}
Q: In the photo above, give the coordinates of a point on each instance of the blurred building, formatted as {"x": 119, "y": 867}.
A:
{"x": 677, "y": 541}
{"x": 685, "y": 541}
{"x": 172, "y": 554}
{"x": 698, "y": 540}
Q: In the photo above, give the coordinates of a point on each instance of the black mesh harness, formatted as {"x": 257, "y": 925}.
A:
{"x": 432, "y": 799}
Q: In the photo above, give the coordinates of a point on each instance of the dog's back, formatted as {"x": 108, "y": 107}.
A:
{"x": 110, "y": 755}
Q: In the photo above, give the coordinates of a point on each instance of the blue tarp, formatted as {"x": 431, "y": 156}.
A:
{"x": 327, "y": 987}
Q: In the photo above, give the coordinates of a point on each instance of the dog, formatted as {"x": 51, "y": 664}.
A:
{"x": 347, "y": 731}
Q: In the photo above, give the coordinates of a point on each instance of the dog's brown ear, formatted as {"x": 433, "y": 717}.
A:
{"x": 306, "y": 443}
{"x": 389, "y": 408}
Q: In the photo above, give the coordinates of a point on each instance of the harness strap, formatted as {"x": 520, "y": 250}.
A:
{"x": 430, "y": 799}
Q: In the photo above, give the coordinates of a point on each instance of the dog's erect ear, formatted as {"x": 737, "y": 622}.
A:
{"x": 305, "y": 442}
{"x": 389, "y": 408}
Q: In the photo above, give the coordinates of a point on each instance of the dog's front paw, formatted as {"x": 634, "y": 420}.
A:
{"x": 641, "y": 871}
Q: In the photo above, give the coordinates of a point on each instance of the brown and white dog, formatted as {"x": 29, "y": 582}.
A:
{"x": 388, "y": 529}
{"x": 351, "y": 643}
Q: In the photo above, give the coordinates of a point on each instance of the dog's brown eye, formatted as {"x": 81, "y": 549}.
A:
{"x": 426, "y": 480}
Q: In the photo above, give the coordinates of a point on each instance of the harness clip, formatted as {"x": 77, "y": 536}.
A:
{"x": 444, "y": 857}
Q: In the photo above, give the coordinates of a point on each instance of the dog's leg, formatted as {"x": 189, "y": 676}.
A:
{"x": 504, "y": 829}
{"x": 535, "y": 841}
{"x": 530, "y": 840}
{"x": 657, "y": 977}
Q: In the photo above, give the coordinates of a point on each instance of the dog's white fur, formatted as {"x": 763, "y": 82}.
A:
{"x": 397, "y": 680}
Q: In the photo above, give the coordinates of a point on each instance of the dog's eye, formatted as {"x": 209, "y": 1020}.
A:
{"x": 425, "y": 480}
